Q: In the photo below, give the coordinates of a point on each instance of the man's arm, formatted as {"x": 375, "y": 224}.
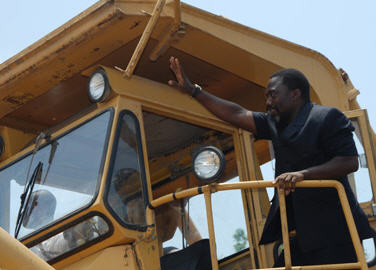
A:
{"x": 335, "y": 168}
{"x": 223, "y": 109}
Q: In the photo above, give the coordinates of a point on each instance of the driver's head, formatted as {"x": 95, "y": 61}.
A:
{"x": 40, "y": 209}
{"x": 126, "y": 180}
{"x": 127, "y": 184}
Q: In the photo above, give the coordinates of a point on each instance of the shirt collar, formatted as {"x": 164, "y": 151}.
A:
{"x": 297, "y": 122}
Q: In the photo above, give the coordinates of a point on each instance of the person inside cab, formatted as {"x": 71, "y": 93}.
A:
{"x": 40, "y": 212}
{"x": 127, "y": 201}
{"x": 40, "y": 209}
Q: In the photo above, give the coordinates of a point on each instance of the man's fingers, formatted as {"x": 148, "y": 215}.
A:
{"x": 177, "y": 69}
{"x": 180, "y": 73}
{"x": 173, "y": 83}
{"x": 293, "y": 183}
{"x": 287, "y": 181}
{"x": 279, "y": 178}
{"x": 281, "y": 181}
{"x": 288, "y": 177}
{"x": 173, "y": 65}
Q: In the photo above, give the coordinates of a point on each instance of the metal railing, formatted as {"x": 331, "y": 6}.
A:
{"x": 209, "y": 189}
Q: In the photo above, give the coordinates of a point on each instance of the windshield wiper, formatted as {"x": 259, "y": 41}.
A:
{"x": 25, "y": 196}
{"x": 54, "y": 145}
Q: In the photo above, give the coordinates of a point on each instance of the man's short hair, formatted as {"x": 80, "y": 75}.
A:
{"x": 294, "y": 79}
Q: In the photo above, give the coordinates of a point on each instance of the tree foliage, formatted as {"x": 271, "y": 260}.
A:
{"x": 240, "y": 239}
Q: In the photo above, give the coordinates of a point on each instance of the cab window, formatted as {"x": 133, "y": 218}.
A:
{"x": 125, "y": 193}
{"x": 89, "y": 231}
{"x": 171, "y": 144}
{"x": 68, "y": 183}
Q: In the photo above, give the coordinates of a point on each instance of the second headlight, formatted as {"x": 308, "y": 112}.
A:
{"x": 208, "y": 164}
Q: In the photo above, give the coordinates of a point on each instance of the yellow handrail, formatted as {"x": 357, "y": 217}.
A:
{"x": 212, "y": 188}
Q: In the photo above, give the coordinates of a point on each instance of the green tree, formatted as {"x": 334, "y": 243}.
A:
{"x": 240, "y": 239}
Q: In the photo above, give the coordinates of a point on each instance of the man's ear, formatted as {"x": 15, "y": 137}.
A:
{"x": 297, "y": 93}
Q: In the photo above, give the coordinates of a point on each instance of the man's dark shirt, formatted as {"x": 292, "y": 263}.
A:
{"x": 315, "y": 136}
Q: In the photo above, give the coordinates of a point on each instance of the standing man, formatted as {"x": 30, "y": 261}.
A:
{"x": 310, "y": 142}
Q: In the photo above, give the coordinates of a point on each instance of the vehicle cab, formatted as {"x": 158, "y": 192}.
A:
{"x": 101, "y": 169}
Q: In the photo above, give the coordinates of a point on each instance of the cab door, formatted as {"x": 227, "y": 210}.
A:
{"x": 363, "y": 181}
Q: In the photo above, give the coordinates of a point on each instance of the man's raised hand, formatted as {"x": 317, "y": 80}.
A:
{"x": 182, "y": 82}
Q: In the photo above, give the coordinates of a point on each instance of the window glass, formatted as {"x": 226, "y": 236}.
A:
{"x": 74, "y": 237}
{"x": 360, "y": 180}
{"x": 171, "y": 144}
{"x": 67, "y": 184}
{"x": 229, "y": 221}
{"x": 125, "y": 196}
{"x": 369, "y": 249}
{"x": 268, "y": 172}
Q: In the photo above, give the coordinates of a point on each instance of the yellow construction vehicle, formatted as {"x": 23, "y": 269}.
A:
{"x": 104, "y": 166}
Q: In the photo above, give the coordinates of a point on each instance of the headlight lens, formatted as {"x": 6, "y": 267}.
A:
{"x": 98, "y": 87}
{"x": 208, "y": 164}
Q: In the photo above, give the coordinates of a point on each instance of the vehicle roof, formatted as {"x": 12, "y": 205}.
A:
{"x": 46, "y": 83}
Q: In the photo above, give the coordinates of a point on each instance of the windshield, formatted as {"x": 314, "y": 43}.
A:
{"x": 68, "y": 184}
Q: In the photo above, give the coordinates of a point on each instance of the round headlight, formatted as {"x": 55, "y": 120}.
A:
{"x": 208, "y": 164}
{"x": 98, "y": 87}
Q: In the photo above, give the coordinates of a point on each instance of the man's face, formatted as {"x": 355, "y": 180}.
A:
{"x": 278, "y": 100}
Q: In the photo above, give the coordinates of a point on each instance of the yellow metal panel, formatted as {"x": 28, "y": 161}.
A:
{"x": 366, "y": 134}
{"x": 120, "y": 235}
{"x": 161, "y": 96}
{"x": 119, "y": 257}
{"x": 90, "y": 36}
{"x": 15, "y": 256}
{"x": 254, "y": 196}
{"x": 320, "y": 71}
{"x": 247, "y": 197}
{"x": 147, "y": 252}
{"x": 64, "y": 53}
{"x": 14, "y": 141}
